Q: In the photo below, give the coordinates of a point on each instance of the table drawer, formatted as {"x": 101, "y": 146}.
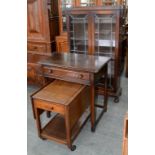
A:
{"x": 65, "y": 73}
{"x": 37, "y": 47}
{"x": 58, "y": 108}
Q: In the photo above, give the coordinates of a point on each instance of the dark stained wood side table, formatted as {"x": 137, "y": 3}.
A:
{"x": 79, "y": 68}
{"x": 71, "y": 108}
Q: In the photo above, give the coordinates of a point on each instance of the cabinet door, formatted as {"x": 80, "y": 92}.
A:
{"x": 38, "y": 25}
{"x": 105, "y": 41}
{"x": 63, "y": 5}
{"x": 78, "y": 33}
{"x": 105, "y": 34}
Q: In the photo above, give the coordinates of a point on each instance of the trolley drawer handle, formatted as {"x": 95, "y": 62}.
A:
{"x": 52, "y": 108}
{"x": 80, "y": 76}
{"x": 50, "y": 71}
{"x": 35, "y": 47}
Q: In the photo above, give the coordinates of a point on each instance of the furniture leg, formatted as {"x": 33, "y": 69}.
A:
{"x": 126, "y": 63}
{"x": 32, "y": 99}
{"x": 68, "y": 131}
{"x": 38, "y": 121}
{"x": 48, "y": 114}
{"x": 92, "y": 102}
{"x": 105, "y": 88}
{"x": 33, "y": 111}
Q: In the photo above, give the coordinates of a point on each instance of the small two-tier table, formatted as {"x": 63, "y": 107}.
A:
{"x": 79, "y": 68}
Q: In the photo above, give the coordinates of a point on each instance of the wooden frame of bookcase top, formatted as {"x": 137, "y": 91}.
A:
{"x": 115, "y": 91}
{"x": 77, "y": 3}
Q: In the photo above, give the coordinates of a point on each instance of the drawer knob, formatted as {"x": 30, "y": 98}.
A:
{"x": 35, "y": 47}
{"x": 81, "y": 76}
{"x": 50, "y": 71}
{"x": 52, "y": 108}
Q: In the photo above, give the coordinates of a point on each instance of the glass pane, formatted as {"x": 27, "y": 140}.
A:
{"x": 87, "y": 3}
{"x": 105, "y": 26}
{"x": 105, "y": 34}
{"x": 65, "y": 5}
{"x": 79, "y": 34}
{"x": 109, "y": 2}
{"x": 64, "y": 24}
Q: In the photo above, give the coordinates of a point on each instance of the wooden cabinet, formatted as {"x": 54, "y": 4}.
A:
{"x": 42, "y": 27}
{"x": 69, "y": 4}
{"x": 97, "y": 31}
{"x": 38, "y": 25}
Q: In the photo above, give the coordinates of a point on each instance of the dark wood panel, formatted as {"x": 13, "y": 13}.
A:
{"x": 54, "y": 27}
{"x": 38, "y": 27}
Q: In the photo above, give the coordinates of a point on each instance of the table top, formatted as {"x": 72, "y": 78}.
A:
{"x": 79, "y": 62}
{"x": 55, "y": 92}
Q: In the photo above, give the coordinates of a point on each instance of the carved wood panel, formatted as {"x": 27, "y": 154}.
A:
{"x": 37, "y": 14}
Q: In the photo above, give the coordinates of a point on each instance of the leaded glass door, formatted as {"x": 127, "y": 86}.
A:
{"x": 105, "y": 40}
{"x": 78, "y": 31}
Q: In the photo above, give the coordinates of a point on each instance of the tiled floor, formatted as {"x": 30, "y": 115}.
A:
{"x": 107, "y": 140}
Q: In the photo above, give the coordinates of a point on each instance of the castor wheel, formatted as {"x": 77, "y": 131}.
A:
{"x": 48, "y": 114}
{"x": 105, "y": 109}
{"x": 43, "y": 138}
{"x": 93, "y": 129}
{"x": 116, "y": 99}
{"x": 73, "y": 147}
{"x": 120, "y": 93}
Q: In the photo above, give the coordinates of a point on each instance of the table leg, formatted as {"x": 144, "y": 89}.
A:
{"x": 105, "y": 90}
{"x": 92, "y": 103}
{"x": 68, "y": 130}
{"x": 38, "y": 121}
{"x": 48, "y": 114}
